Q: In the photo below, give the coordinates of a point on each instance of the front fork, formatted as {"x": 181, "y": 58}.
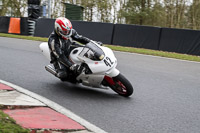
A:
{"x": 113, "y": 73}
{"x": 108, "y": 78}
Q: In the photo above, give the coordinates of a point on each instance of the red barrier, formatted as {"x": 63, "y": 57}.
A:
{"x": 14, "y": 26}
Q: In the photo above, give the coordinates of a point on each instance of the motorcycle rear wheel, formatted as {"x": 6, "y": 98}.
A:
{"x": 120, "y": 85}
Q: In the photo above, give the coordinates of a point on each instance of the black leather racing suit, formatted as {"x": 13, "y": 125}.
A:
{"x": 60, "y": 48}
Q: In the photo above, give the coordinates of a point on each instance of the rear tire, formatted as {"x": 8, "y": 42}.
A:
{"x": 120, "y": 85}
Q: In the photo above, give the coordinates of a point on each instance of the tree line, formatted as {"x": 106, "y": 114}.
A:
{"x": 163, "y": 13}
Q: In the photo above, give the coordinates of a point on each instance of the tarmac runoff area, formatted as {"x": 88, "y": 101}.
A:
{"x": 39, "y": 114}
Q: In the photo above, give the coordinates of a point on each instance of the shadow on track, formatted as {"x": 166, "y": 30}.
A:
{"x": 78, "y": 90}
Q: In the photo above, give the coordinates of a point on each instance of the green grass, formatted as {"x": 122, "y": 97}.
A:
{"x": 24, "y": 37}
{"x": 156, "y": 53}
{"x": 120, "y": 48}
{"x": 8, "y": 125}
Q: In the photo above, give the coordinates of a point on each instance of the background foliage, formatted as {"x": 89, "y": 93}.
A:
{"x": 163, "y": 13}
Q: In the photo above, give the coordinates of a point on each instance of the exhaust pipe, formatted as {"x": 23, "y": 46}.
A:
{"x": 51, "y": 69}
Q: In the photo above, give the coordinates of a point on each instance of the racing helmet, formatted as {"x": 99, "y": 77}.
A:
{"x": 63, "y": 27}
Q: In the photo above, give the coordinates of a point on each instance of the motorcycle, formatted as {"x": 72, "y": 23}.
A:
{"x": 97, "y": 68}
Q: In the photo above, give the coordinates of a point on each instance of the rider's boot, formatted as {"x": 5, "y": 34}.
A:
{"x": 61, "y": 73}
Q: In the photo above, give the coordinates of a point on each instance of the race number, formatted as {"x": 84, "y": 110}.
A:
{"x": 108, "y": 61}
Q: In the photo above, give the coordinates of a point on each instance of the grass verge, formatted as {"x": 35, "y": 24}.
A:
{"x": 8, "y": 125}
{"x": 124, "y": 49}
{"x": 24, "y": 37}
{"x": 156, "y": 53}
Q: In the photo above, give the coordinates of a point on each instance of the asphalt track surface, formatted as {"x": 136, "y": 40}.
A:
{"x": 166, "y": 97}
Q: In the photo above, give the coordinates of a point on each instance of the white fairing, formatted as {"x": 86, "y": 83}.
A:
{"x": 106, "y": 66}
{"x": 97, "y": 67}
{"x": 45, "y": 50}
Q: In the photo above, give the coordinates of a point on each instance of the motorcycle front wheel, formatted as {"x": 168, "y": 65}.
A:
{"x": 120, "y": 85}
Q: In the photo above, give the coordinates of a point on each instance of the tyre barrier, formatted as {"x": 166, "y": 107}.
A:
{"x": 31, "y": 27}
{"x": 166, "y": 39}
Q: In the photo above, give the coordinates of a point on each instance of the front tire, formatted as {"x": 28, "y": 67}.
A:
{"x": 120, "y": 85}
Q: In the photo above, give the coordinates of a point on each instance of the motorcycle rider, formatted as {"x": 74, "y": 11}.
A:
{"x": 60, "y": 44}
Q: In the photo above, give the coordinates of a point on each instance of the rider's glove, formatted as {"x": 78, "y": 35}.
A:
{"x": 100, "y": 43}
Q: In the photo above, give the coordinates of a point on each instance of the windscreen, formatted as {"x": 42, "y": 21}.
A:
{"x": 93, "y": 52}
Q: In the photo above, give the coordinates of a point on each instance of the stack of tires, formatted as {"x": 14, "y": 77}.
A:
{"x": 33, "y": 14}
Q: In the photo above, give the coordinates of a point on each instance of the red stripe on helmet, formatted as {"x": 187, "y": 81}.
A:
{"x": 60, "y": 22}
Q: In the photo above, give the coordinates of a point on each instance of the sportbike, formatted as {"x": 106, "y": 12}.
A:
{"x": 97, "y": 68}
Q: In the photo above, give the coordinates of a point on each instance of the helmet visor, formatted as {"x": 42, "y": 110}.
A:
{"x": 66, "y": 33}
